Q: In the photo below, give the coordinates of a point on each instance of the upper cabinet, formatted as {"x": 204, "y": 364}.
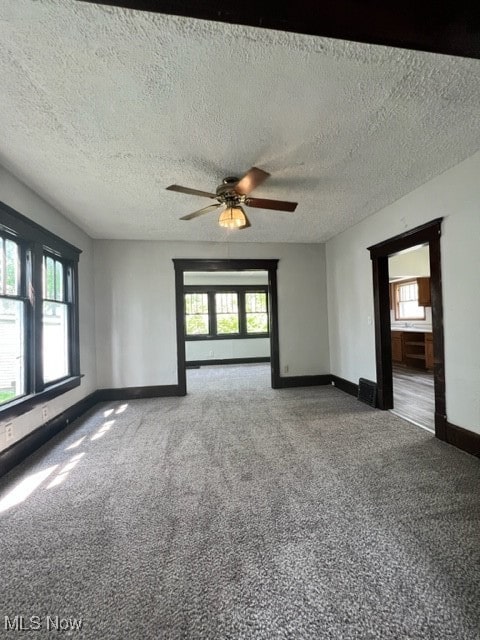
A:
{"x": 424, "y": 298}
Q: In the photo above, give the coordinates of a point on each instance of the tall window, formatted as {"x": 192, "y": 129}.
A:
{"x": 39, "y": 345}
{"x": 56, "y": 302}
{"x": 406, "y": 301}
{"x": 256, "y": 311}
{"x": 196, "y": 314}
{"x": 12, "y": 320}
{"x": 226, "y": 312}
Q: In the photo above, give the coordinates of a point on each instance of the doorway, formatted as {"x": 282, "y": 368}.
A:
{"x": 411, "y": 335}
{"x": 269, "y": 267}
{"x": 426, "y": 235}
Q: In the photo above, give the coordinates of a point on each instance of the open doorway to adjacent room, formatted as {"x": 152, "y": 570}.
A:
{"x": 227, "y": 327}
{"x": 227, "y": 330}
{"x": 409, "y": 340}
{"x": 412, "y": 336}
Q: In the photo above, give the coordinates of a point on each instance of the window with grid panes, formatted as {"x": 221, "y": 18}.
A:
{"x": 239, "y": 311}
{"x": 226, "y": 313}
{"x": 57, "y": 288}
{"x": 256, "y": 313}
{"x": 406, "y": 301}
{"x": 13, "y": 312}
{"x": 39, "y": 339}
{"x": 196, "y": 314}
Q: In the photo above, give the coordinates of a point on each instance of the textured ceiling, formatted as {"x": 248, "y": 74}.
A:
{"x": 102, "y": 108}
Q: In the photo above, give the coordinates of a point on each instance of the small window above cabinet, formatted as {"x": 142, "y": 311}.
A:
{"x": 408, "y": 298}
{"x": 407, "y": 306}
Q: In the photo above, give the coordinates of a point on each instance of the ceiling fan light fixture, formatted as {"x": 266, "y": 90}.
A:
{"x": 232, "y": 193}
{"x": 233, "y": 218}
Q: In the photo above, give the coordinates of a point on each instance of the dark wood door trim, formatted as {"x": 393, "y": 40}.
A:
{"x": 206, "y": 264}
{"x": 425, "y": 234}
{"x": 383, "y": 346}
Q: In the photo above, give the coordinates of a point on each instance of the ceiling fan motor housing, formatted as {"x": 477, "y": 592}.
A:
{"x": 226, "y": 191}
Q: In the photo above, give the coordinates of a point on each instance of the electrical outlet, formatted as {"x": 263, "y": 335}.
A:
{"x": 210, "y": 353}
{"x": 8, "y": 432}
{"x": 45, "y": 413}
{"x": 285, "y": 369}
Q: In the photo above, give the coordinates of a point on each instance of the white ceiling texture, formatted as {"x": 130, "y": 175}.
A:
{"x": 102, "y": 108}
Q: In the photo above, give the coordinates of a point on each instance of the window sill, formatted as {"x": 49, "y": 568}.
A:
{"x": 228, "y": 337}
{"x": 22, "y": 405}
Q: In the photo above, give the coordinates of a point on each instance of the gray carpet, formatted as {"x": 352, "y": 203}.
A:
{"x": 243, "y": 512}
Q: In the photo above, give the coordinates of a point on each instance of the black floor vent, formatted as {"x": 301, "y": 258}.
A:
{"x": 367, "y": 392}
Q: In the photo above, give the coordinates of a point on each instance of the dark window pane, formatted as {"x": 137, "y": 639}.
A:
{"x": 256, "y": 302}
{"x": 55, "y": 341}
{"x": 226, "y": 306}
{"x": 196, "y": 303}
{"x": 226, "y": 302}
{"x": 197, "y": 325}
{"x": 12, "y": 268}
{"x": 227, "y": 323}
{"x": 2, "y": 266}
{"x": 48, "y": 278}
{"x": 257, "y": 323}
{"x": 59, "y": 287}
{"x": 196, "y": 314}
{"x": 12, "y": 349}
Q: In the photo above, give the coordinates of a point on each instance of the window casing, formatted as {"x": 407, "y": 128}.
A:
{"x": 39, "y": 343}
{"x": 13, "y": 319}
{"x": 226, "y": 312}
{"x": 56, "y": 314}
{"x": 406, "y": 301}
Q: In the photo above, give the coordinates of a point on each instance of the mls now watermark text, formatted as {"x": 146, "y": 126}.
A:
{"x": 35, "y": 623}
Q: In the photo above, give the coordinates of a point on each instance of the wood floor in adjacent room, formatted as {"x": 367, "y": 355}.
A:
{"x": 413, "y": 395}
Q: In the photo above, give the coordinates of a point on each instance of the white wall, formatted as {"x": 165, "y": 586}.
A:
{"x": 227, "y": 349}
{"x": 135, "y": 310}
{"x": 222, "y": 277}
{"x": 25, "y": 201}
{"x": 410, "y": 264}
{"x": 455, "y": 195}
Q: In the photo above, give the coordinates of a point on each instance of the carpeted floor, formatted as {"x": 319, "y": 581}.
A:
{"x": 241, "y": 512}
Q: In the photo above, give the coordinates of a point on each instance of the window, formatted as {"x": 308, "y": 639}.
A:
{"x": 256, "y": 311}
{"x": 57, "y": 287}
{"x": 196, "y": 314}
{"x": 39, "y": 350}
{"x": 12, "y": 320}
{"x": 406, "y": 301}
{"x": 226, "y": 312}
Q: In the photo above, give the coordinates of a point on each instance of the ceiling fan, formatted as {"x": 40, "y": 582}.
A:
{"x": 234, "y": 192}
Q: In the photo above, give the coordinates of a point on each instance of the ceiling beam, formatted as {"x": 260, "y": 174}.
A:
{"x": 441, "y": 27}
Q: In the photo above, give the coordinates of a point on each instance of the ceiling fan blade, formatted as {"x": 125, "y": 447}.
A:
{"x": 193, "y": 192}
{"x": 250, "y": 181}
{"x": 276, "y": 205}
{"x": 200, "y": 212}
